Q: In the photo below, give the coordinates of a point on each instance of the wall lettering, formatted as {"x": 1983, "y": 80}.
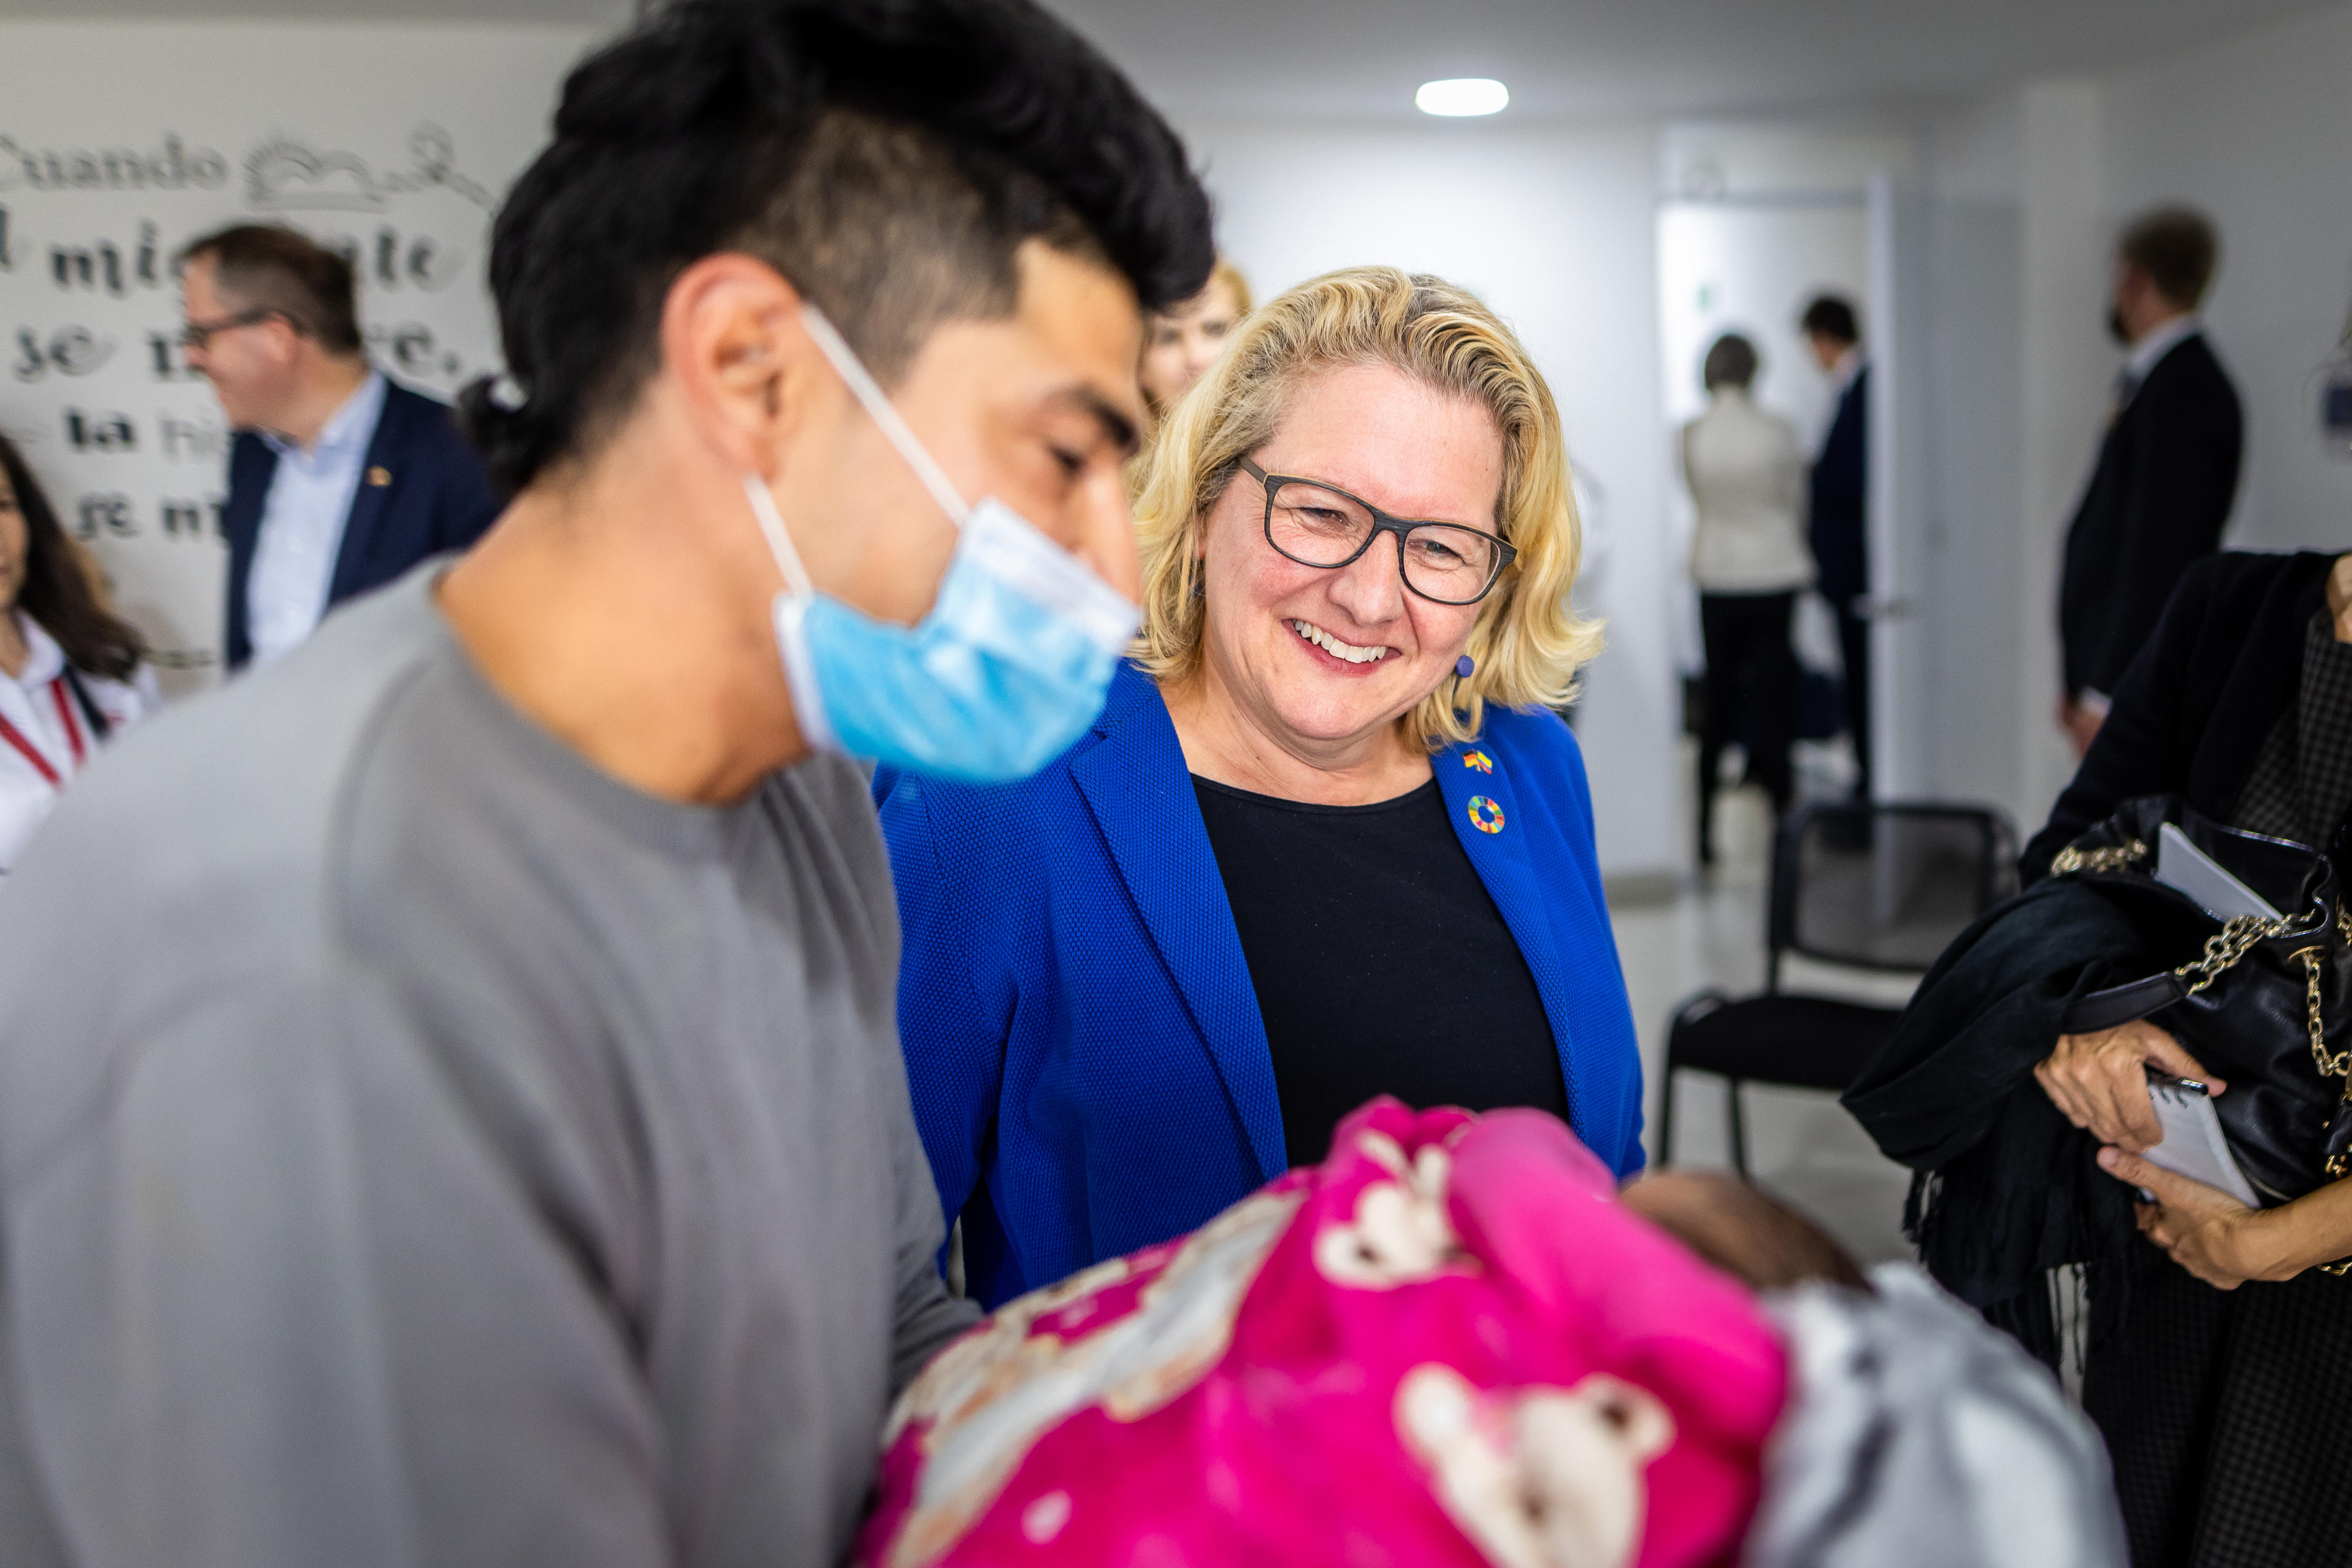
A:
{"x": 68, "y": 350}
{"x": 173, "y": 166}
{"x": 107, "y": 514}
{"x": 102, "y": 266}
{"x": 185, "y": 439}
{"x": 101, "y": 432}
{"x": 186, "y": 519}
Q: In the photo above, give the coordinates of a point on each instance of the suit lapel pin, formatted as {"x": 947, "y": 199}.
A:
{"x": 1484, "y": 815}
{"x": 379, "y": 476}
{"x": 1478, "y": 760}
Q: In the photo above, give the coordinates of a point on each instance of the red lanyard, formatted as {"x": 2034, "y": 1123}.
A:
{"x": 32, "y": 753}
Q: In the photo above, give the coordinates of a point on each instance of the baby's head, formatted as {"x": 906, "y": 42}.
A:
{"x": 1736, "y": 1228}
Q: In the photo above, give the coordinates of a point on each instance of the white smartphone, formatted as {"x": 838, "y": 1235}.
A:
{"x": 2192, "y": 1144}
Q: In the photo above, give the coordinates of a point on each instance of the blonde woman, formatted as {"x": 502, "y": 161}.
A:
{"x": 1327, "y": 840}
{"x": 1181, "y": 342}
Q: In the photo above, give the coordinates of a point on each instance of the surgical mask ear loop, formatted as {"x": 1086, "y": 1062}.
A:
{"x": 792, "y": 616}
{"x": 780, "y": 541}
{"x": 884, "y": 413}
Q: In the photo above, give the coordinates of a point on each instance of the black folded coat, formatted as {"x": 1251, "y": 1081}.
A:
{"x": 2005, "y": 1188}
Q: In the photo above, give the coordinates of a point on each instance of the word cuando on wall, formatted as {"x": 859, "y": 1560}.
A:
{"x": 173, "y": 166}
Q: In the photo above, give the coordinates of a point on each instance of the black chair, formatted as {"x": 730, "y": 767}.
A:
{"x": 1882, "y": 888}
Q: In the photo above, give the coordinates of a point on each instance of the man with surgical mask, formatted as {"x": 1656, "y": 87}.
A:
{"x": 505, "y": 1155}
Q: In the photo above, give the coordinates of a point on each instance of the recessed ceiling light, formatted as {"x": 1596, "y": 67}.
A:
{"x": 1462, "y": 96}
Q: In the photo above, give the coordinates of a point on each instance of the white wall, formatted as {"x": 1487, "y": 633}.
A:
{"x": 1553, "y": 228}
{"x": 1974, "y": 348}
{"x": 121, "y": 141}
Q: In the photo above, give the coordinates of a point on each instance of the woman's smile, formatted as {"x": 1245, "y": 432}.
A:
{"x": 1334, "y": 652}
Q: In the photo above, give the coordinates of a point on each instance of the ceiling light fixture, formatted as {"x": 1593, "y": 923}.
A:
{"x": 1459, "y": 96}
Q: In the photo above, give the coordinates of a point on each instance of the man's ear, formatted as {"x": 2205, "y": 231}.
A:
{"x": 733, "y": 348}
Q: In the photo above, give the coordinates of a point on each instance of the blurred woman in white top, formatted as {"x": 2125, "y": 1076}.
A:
{"x": 71, "y": 674}
{"x": 1747, "y": 476}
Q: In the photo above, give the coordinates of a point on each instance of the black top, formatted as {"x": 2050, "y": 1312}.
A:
{"x": 2167, "y": 474}
{"x": 2302, "y": 781}
{"x": 1381, "y": 963}
{"x": 1839, "y": 497}
{"x": 2192, "y": 714}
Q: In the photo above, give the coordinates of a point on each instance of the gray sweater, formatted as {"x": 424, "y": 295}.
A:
{"x": 418, "y": 1148}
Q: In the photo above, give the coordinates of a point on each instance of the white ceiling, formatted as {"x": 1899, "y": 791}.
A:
{"x": 1358, "y": 59}
{"x": 1355, "y": 58}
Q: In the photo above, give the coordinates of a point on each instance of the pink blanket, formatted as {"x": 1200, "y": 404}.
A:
{"x": 1448, "y": 1343}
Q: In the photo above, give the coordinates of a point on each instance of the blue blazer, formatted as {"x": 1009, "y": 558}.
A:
{"x": 434, "y": 496}
{"x": 1088, "y": 1066}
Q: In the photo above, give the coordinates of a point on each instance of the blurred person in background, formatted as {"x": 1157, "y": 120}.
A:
{"x": 71, "y": 674}
{"x": 1838, "y": 523}
{"x": 1181, "y": 344}
{"x": 2168, "y": 466}
{"x": 1746, "y": 471}
{"x": 1327, "y": 840}
{"x": 500, "y": 1153}
{"x": 340, "y": 479}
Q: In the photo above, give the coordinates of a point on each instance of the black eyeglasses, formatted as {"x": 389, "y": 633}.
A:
{"x": 198, "y": 335}
{"x": 1320, "y": 525}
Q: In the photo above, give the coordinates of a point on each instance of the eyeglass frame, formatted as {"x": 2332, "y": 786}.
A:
{"x": 1382, "y": 523}
{"x": 197, "y": 336}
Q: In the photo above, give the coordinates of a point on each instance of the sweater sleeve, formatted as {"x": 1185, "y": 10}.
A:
{"x": 2138, "y": 750}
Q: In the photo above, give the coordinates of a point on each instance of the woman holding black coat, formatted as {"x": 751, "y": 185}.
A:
{"x": 2220, "y": 1371}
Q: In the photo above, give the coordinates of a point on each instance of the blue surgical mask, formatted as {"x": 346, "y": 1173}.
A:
{"x": 1008, "y": 669}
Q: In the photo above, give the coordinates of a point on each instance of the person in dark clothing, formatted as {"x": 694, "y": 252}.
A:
{"x": 2220, "y": 1368}
{"x": 340, "y": 479}
{"x": 2167, "y": 471}
{"x": 1838, "y": 524}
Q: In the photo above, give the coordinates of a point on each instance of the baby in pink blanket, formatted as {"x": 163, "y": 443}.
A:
{"x": 1450, "y": 1344}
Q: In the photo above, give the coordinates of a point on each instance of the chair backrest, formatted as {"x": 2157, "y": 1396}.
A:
{"x": 1884, "y": 886}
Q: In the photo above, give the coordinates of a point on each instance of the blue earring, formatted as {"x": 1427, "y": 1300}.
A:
{"x": 1464, "y": 665}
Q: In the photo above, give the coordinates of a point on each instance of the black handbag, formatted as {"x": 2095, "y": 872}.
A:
{"x": 2266, "y": 1005}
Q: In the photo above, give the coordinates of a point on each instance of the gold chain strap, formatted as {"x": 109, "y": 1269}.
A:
{"x": 2339, "y": 1166}
{"x": 2226, "y": 947}
{"x": 2122, "y": 857}
{"x": 2223, "y": 950}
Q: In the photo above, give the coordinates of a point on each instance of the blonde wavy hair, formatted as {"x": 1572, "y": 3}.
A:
{"x": 1528, "y": 642}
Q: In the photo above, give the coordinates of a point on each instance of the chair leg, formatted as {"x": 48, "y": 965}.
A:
{"x": 1739, "y": 1128}
{"x": 1666, "y": 1122}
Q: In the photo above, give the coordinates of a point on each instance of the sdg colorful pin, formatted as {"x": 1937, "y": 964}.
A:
{"x": 1478, "y": 760}
{"x": 1484, "y": 815}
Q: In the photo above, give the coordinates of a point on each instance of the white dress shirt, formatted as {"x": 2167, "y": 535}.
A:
{"x": 1746, "y": 477}
{"x": 28, "y": 702}
{"x": 2157, "y": 343}
{"x": 303, "y": 520}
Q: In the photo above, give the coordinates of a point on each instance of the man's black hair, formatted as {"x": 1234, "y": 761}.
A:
{"x": 889, "y": 157}
{"x": 1832, "y": 315}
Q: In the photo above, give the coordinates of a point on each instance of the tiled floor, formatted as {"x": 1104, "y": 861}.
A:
{"x": 1801, "y": 1145}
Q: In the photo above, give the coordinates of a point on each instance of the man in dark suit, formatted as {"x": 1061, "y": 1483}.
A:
{"x": 2167, "y": 468}
{"x": 338, "y": 480}
{"x": 1839, "y": 524}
